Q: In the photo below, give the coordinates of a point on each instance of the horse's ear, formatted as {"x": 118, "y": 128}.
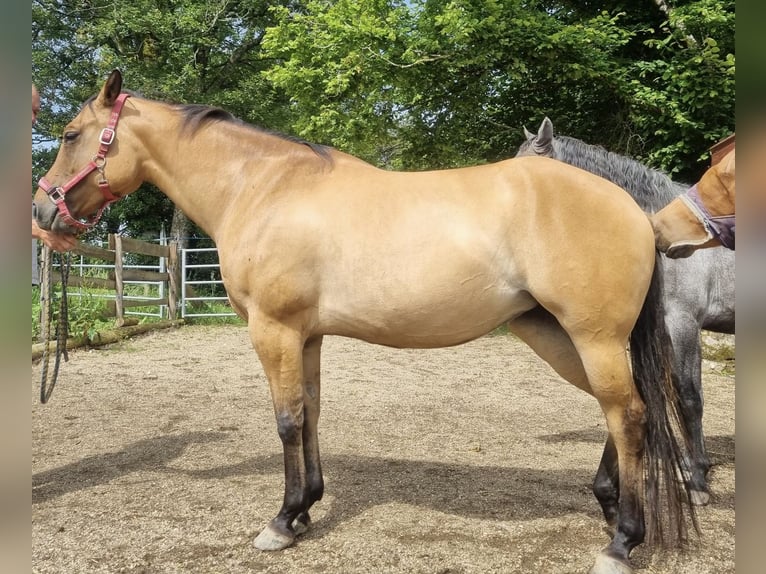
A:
{"x": 528, "y": 134}
{"x": 112, "y": 88}
{"x": 545, "y": 133}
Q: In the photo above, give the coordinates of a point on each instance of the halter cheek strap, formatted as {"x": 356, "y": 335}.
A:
{"x": 721, "y": 227}
{"x": 57, "y": 194}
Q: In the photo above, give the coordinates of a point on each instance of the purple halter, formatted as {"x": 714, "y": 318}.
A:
{"x": 721, "y": 227}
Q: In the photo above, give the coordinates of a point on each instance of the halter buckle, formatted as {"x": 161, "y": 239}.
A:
{"x": 107, "y": 136}
{"x": 56, "y": 195}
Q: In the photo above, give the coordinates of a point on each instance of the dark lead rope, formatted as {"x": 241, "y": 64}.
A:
{"x": 62, "y": 325}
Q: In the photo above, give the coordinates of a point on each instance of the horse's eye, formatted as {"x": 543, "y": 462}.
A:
{"x": 69, "y": 137}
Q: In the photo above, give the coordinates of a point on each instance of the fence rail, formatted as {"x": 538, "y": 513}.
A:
{"x": 191, "y": 298}
{"x": 170, "y": 286}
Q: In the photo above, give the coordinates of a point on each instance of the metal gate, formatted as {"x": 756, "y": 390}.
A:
{"x": 196, "y": 292}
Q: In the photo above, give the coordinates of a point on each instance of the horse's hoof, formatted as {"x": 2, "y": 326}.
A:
{"x": 606, "y": 564}
{"x": 699, "y": 497}
{"x": 301, "y": 524}
{"x": 272, "y": 539}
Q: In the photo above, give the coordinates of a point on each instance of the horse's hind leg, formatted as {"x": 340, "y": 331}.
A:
{"x": 687, "y": 377}
{"x": 606, "y": 364}
{"x": 602, "y": 370}
{"x": 606, "y": 485}
{"x": 542, "y": 332}
{"x": 539, "y": 329}
{"x": 311, "y": 392}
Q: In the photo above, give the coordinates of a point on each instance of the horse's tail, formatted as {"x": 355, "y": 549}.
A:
{"x": 665, "y": 491}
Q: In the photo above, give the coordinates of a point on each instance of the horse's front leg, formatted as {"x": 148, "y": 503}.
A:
{"x": 280, "y": 349}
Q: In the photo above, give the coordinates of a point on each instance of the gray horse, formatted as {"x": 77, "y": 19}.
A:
{"x": 699, "y": 290}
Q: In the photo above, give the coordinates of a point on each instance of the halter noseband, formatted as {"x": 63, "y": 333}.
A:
{"x": 720, "y": 227}
{"x": 57, "y": 194}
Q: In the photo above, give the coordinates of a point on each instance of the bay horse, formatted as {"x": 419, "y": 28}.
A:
{"x": 699, "y": 291}
{"x": 315, "y": 242}
{"x": 703, "y": 216}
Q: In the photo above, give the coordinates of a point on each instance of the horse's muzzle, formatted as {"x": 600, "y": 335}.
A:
{"x": 46, "y": 213}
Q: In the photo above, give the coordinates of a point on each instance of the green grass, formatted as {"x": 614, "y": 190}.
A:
{"x": 88, "y": 311}
{"x": 86, "y": 314}
{"x": 212, "y": 307}
{"x": 724, "y": 354}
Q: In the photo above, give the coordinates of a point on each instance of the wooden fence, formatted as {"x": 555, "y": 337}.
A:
{"x": 118, "y": 247}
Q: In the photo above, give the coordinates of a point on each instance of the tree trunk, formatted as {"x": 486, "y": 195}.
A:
{"x": 180, "y": 228}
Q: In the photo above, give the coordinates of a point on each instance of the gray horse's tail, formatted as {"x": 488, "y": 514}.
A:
{"x": 665, "y": 493}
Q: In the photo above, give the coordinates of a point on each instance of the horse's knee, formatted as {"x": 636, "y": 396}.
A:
{"x": 289, "y": 427}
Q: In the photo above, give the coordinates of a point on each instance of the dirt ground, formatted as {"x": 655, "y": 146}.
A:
{"x": 160, "y": 455}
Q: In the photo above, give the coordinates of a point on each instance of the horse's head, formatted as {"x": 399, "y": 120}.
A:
{"x": 717, "y": 188}
{"x": 93, "y": 168}
{"x": 540, "y": 143}
{"x": 703, "y": 217}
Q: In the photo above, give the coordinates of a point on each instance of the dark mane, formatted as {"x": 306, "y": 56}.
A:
{"x": 651, "y": 188}
{"x": 195, "y": 116}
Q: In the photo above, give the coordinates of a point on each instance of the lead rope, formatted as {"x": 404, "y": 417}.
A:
{"x": 62, "y": 325}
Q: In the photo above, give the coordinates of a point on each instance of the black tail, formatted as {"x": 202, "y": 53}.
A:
{"x": 665, "y": 493}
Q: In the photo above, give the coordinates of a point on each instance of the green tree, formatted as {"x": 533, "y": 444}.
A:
{"x": 404, "y": 83}
{"x": 174, "y": 50}
{"x": 436, "y": 83}
{"x": 683, "y": 98}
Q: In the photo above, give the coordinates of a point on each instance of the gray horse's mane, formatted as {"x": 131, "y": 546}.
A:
{"x": 196, "y": 116}
{"x": 651, "y": 188}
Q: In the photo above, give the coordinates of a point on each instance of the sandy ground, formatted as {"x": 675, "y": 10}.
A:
{"x": 160, "y": 455}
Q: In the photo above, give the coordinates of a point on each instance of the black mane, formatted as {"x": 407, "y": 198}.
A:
{"x": 195, "y": 116}
{"x": 651, "y": 188}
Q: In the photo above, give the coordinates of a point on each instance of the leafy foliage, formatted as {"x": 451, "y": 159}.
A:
{"x": 413, "y": 84}
{"x": 439, "y": 83}
{"x": 174, "y": 50}
{"x": 683, "y": 100}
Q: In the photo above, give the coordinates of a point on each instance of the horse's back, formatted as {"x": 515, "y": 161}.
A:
{"x": 437, "y": 258}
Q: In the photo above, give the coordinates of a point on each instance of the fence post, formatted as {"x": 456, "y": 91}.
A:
{"x": 174, "y": 279}
{"x": 45, "y": 283}
{"x": 115, "y": 243}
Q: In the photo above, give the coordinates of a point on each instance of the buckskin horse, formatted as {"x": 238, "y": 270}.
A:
{"x": 314, "y": 242}
{"x": 703, "y": 216}
{"x": 699, "y": 292}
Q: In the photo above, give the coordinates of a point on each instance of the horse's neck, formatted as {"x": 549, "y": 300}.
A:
{"x": 209, "y": 171}
{"x": 651, "y": 189}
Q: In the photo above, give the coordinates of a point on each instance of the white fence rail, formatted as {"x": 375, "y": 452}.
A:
{"x": 202, "y": 293}
{"x": 154, "y": 293}
{"x": 192, "y": 303}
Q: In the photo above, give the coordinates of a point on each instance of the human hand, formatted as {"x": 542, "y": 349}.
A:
{"x": 56, "y": 241}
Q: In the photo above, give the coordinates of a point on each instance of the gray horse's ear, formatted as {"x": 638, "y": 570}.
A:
{"x": 112, "y": 88}
{"x": 528, "y": 134}
{"x": 545, "y": 133}
{"x": 542, "y": 143}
